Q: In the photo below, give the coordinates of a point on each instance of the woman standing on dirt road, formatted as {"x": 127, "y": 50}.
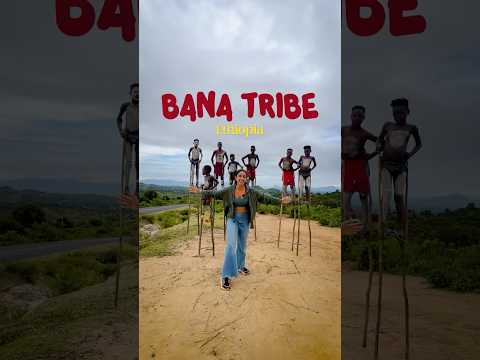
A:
{"x": 239, "y": 203}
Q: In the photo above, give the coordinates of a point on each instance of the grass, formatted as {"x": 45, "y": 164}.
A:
{"x": 172, "y": 232}
{"x": 326, "y": 216}
{"x": 67, "y": 326}
{"x": 81, "y": 286}
{"x": 68, "y": 272}
{"x": 67, "y": 225}
{"x": 451, "y": 263}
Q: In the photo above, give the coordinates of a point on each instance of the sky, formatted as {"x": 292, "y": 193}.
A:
{"x": 60, "y": 97}
{"x": 438, "y": 72}
{"x": 234, "y": 47}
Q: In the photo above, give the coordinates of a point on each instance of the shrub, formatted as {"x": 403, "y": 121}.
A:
{"x": 96, "y": 222}
{"x": 28, "y": 215}
{"x": 150, "y": 195}
{"x": 11, "y": 237}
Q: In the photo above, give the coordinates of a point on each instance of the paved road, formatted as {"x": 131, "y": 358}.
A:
{"x": 156, "y": 209}
{"x": 25, "y": 251}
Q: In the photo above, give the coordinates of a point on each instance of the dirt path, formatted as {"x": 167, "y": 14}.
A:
{"x": 444, "y": 325}
{"x": 287, "y": 308}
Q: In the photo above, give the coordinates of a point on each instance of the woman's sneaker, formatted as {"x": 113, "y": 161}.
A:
{"x": 244, "y": 271}
{"x": 226, "y": 284}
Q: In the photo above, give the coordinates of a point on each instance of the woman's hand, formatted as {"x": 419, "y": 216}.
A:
{"x": 128, "y": 201}
{"x": 351, "y": 227}
{"x": 286, "y": 200}
{"x": 194, "y": 189}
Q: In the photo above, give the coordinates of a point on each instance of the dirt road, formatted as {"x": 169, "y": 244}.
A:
{"x": 444, "y": 325}
{"x": 287, "y": 308}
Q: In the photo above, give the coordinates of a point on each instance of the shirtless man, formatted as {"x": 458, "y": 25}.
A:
{"x": 195, "y": 157}
{"x": 286, "y": 164}
{"x": 233, "y": 166}
{"x": 356, "y": 177}
{"x": 209, "y": 182}
{"x": 392, "y": 144}
{"x": 305, "y": 169}
{"x": 128, "y": 128}
{"x": 251, "y": 163}
{"x": 221, "y": 159}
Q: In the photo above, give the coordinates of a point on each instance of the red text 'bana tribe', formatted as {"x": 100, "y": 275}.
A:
{"x": 279, "y": 105}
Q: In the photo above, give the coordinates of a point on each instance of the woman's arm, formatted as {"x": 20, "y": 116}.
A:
{"x": 265, "y": 195}
{"x": 213, "y": 193}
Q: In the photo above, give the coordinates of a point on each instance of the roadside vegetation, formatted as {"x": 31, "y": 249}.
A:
{"x": 444, "y": 248}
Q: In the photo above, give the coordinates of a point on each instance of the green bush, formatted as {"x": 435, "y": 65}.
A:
{"x": 44, "y": 232}
{"x": 28, "y": 215}
{"x": 10, "y": 224}
{"x": 26, "y": 270}
{"x": 72, "y": 271}
{"x": 459, "y": 270}
{"x": 150, "y": 194}
{"x": 12, "y": 237}
{"x": 96, "y": 222}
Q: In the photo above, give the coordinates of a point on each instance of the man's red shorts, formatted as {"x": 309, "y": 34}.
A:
{"x": 355, "y": 176}
{"x": 288, "y": 178}
{"x": 251, "y": 172}
{"x": 218, "y": 169}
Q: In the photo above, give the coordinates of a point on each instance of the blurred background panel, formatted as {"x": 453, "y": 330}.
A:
{"x": 61, "y": 178}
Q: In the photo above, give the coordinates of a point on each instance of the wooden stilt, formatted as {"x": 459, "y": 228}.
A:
{"x": 188, "y": 213}
{"x": 255, "y": 222}
{"x": 367, "y": 295}
{"x": 404, "y": 272}
{"x": 309, "y": 228}
{"x": 120, "y": 239}
{"x": 299, "y": 215}
{"x": 280, "y": 224}
{"x": 201, "y": 227}
{"x": 380, "y": 263}
{"x": 212, "y": 221}
{"x": 198, "y": 215}
{"x": 370, "y": 269}
{"x": 294, "y": 224}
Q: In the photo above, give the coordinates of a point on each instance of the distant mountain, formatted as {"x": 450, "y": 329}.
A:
{"x": 318, "y": 190}
{"x": 64, "y": 186}
{"x": 164, "y": 182}
{"x": 164, "y": 188}
{"x": 433, "y": 203}
{"x": 440, "y": 203}
{"x": 11, "y": 198}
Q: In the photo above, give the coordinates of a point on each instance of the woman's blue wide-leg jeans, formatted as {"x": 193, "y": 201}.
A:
{"x": 234, "y": 257}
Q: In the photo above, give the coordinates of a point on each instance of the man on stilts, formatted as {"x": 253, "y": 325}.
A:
{"x": 288, "y": 166}
{"x": 209, "y": 183}
{"x": 233, "y": 166}
{"x": 305, "y": 170}
{"x": 355, "y": 178}
{"x": 251, "y": 162}
{"x": 305, "y": 185}
{"x": 127, "y": 123}
{"x": 392, "y": 144}
{"x": 355, "y": 169}
{"x": 221, "y": 158}
{"x": 195, "y": 157}
{"x": 128, "y": 126}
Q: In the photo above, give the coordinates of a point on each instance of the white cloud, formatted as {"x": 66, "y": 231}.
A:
{"x": 234, "y": 47}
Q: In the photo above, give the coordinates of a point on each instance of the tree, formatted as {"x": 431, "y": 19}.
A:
{"x": 471, "y": 206}
{"x": 28, "y": 215}
{"x": 150, "y": 195}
